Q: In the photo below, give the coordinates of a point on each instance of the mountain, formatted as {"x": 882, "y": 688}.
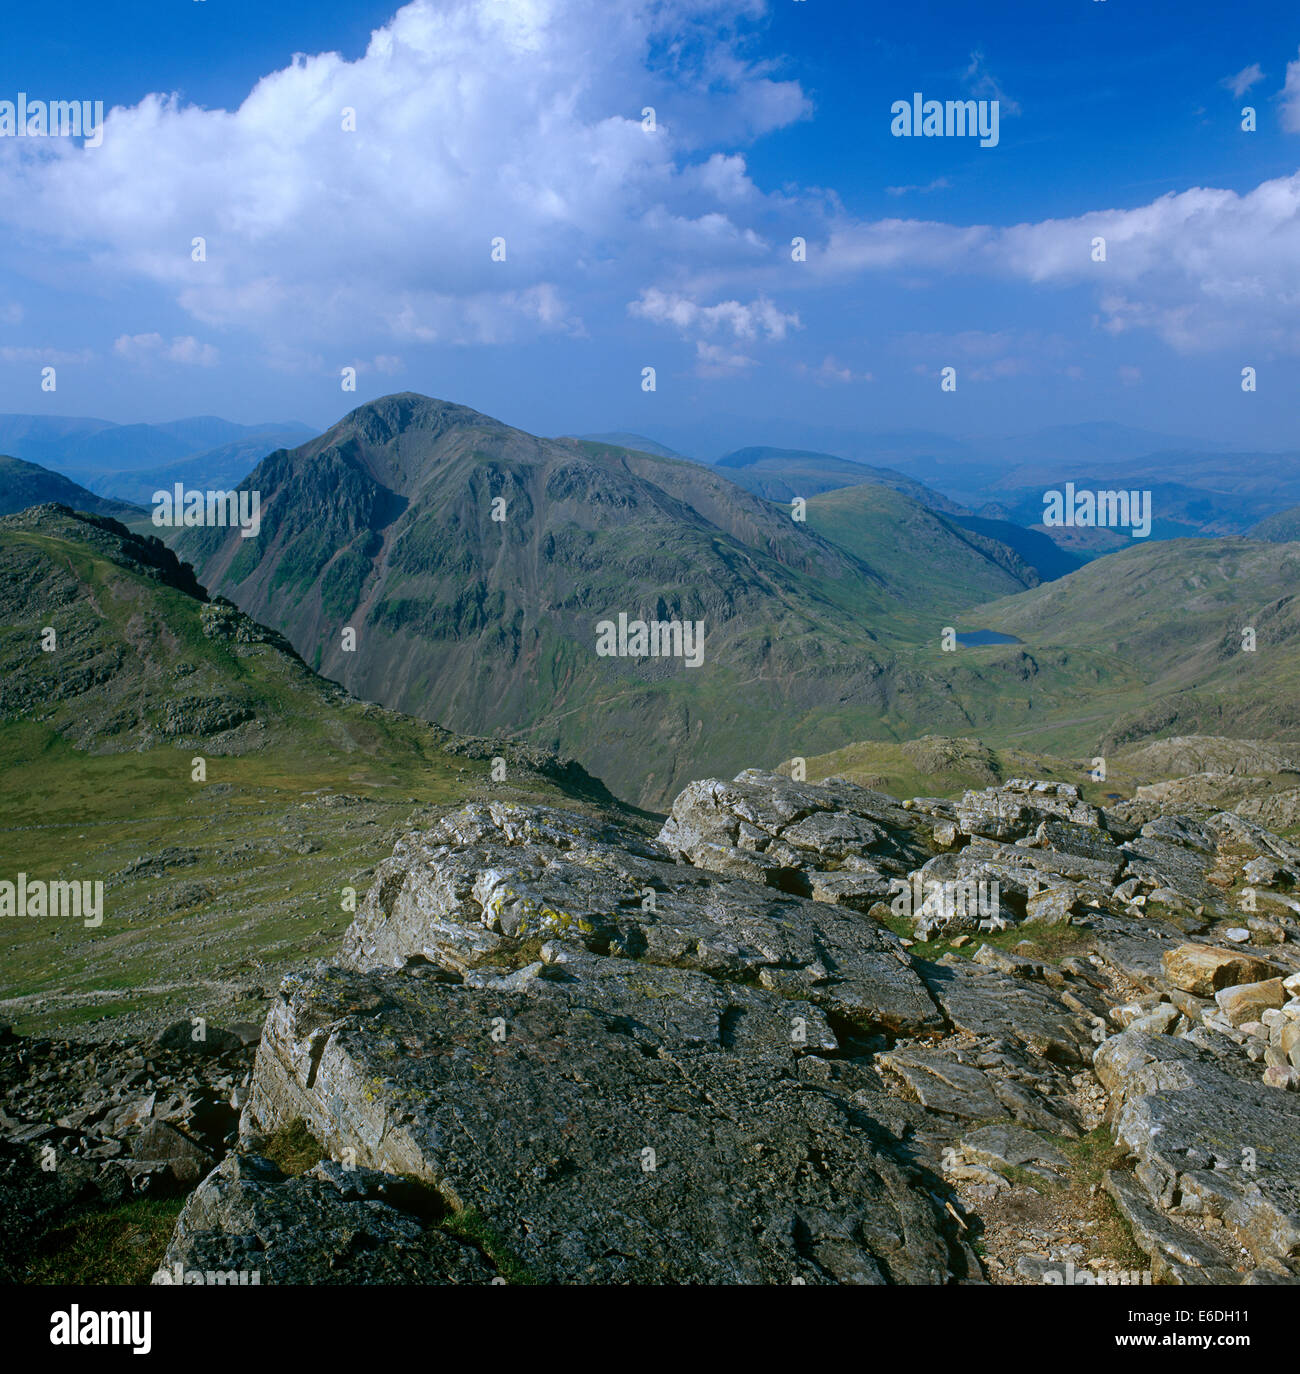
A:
{"x": 121, "y": 460}
{"x": 954, "y": 1009}
{"x": 1096, "y": 441}
{"x": 926, "y": 553}
{"x": 24, "y": 484}
{"x": 385, "y": 524}
{"x": 46, "y": 439}
{"x": 1178, "y": 511}
{"x": 779, "y": 474}
{"x": 1172, "y": 616}
{"x": 1281, "y": 528}
{"x": 633, "y": 441}
{"x": 220, "y": 468}
{"x": 207, "y": 887}
{"x": 1191, "y": 493}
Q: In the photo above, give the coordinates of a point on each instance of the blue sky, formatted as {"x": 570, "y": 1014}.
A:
{"x": 627, "y": 248}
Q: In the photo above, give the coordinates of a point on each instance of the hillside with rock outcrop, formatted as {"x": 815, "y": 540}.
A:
{"x": 554, "y": 1048}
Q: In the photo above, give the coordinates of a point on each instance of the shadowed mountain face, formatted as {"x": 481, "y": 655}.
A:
{"x": 24, "y": 484}
{"x": 1044, "y": 555}
{"x": 385, "y": 524}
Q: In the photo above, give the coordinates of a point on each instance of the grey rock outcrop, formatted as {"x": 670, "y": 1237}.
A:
{"x": 556, "y": 1048}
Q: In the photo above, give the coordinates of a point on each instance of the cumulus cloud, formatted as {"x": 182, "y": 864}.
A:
{"x": 759, "y": 319}
{"x": 502, "y": 183}
{"x": 1201, "y": 268}
{"x": 472, "y": 121}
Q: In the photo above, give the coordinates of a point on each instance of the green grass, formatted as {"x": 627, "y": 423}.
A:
{"x": 293, "y": 1148}
{"x": 1047, "y": 943}
{"x": 1091, "y": 1157}
{"x": 123, "y": 1245}
{"x": 298, "y": 804}
{"x": 470, "y": 1225}
{"x": 248, "y": 904}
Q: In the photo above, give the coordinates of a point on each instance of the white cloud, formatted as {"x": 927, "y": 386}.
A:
{"x": 1243, "y": 81}
{"x": 184, "y": 349}
{"x": 760, "y": 318}
{"x": 1290, "y": 98}
{"x": 1202, "y": 268}
{"x": 985, "y": 86}
{"x": 474, "y": 119}
{"x": 522, "y": 119}
{"x": 714, "y": 360}
{"x": 831, "y": 371}
{"x": 938, "y": 184}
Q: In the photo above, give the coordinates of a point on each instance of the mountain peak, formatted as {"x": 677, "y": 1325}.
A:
{"x": 385, "y": 419}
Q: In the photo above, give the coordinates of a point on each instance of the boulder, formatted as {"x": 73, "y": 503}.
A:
{"x": 249, "y": 1224}
{"x": 491, "y": 873}
{"x": 1209, "y": 1137}
{"x": 1246, "y": 1001}
{"x": 608, "y": 1123}
{"x": 1204, "y": 970}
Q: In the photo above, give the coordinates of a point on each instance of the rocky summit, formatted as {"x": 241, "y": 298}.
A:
{"x": 557, "y": 1048}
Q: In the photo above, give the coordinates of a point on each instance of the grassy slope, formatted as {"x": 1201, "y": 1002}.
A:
{"x": 1168, "y": 618}
{"x": 247, "y": 868}
{"x": 935, "y": 566}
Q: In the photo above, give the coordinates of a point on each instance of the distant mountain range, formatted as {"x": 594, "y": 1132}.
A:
{"x": 780, "y": 474}
{"x": 817, "y": 632}
{"x": 131, "y": 462}
{"x": 1198, "y": 487}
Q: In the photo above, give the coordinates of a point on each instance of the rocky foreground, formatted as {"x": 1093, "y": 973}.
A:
{"x": 777, "y": 1045}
